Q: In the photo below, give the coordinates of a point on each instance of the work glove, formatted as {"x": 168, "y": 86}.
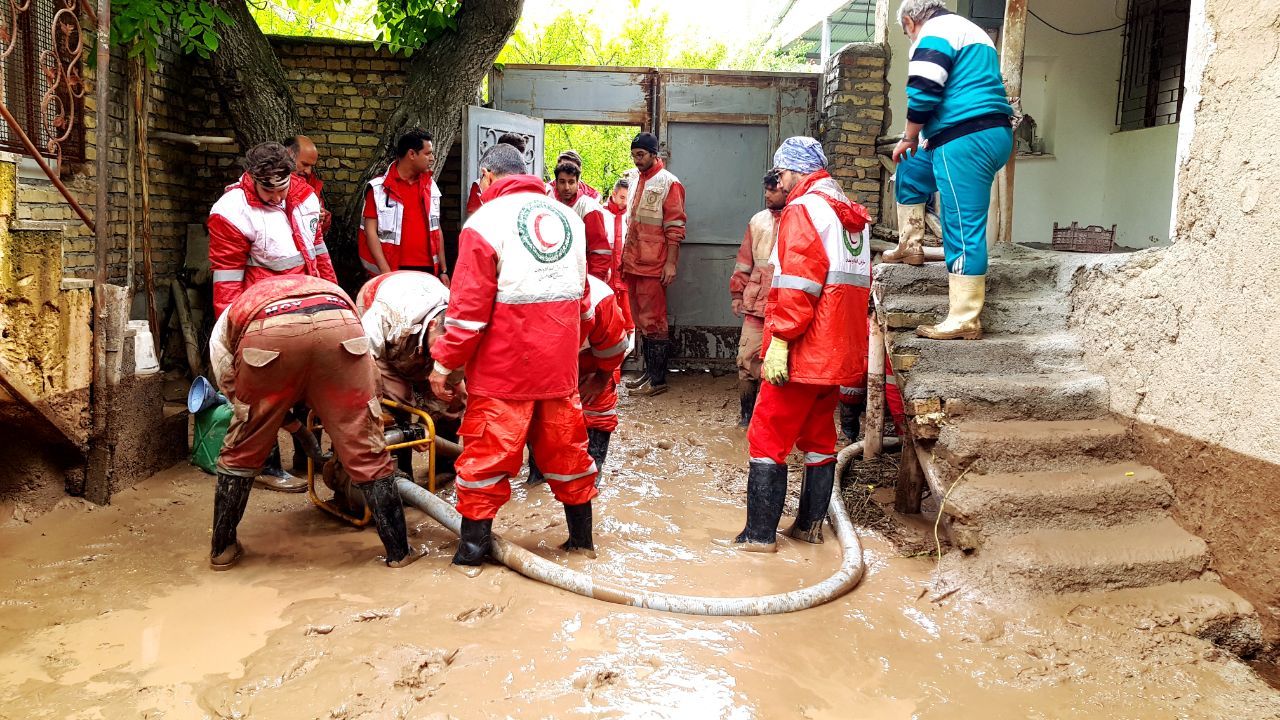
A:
{"x": 775, "y": 362}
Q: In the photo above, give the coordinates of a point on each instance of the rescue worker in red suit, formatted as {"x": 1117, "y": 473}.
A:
{"x": 749, "y": 289}
{"x": 290, "y": 339}
{"x": 655, "y": 229}
{"x": 473, "y": 196}
{"x": 816, "y": 335}
{"x": 265, "y": 225}
{"x": 305, "y": 158}
{"x": 615, "y": 222}
{"x": 604, "y": 345}
{"x": 516, "y": 310}
{"x": 568, "y": 190}
{"x": 572, "y": 156}
{"x": 401, "y": 228}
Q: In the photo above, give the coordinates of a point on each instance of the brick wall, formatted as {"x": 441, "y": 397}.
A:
{"x": 854, "y": 110}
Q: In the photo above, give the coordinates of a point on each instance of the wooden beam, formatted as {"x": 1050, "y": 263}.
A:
{"x": 1012, "y": 46}
{"x": 909, "y": 490}
{"x": 15, "y": 387}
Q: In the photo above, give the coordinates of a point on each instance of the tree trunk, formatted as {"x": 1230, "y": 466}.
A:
{"x": 442, "y": 79}
{"x": 251, "y": 81}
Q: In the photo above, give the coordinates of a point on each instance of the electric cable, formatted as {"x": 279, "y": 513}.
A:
{"x": 1053, "y": 27}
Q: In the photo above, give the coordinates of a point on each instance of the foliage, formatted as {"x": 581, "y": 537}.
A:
{"x": 605, "y": 151}
{"x": 315, "y": 19}
{"x": 406, "y": 25}
{"x": 139, "y": 24}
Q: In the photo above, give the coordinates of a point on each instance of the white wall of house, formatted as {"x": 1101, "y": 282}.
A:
{"x": 1095, "y": 175}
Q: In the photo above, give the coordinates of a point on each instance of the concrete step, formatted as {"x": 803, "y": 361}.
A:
{"x": 983, "y": 507}
{"x": 1005, "y": 276}
{"x": 1201, "y": 608}
{"x": 1056, "y": 396}
{"x": 1133, "y": 555}
{"x": 1027, "y": 445}
{"x": 1049, "y": 352}
{"x": 1011, "y": 314}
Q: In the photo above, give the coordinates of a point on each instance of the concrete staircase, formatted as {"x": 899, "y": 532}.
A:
{"x": 1043, "y": 494}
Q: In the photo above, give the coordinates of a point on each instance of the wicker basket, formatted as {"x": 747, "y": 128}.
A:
{"x": 1092, "y": 239}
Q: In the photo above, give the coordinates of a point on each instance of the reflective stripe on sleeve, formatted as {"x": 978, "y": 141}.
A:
{"x": 321, "y": 249}
{"x": 472, "y": 325}
{"x": 228, "y": 275}
{"x": 741, "y": 267}
{"x": 836, "y": 277}
{"x": 610, "y": 351}
{"x": 278, "y": 264}
{"x": 793, "y": 282}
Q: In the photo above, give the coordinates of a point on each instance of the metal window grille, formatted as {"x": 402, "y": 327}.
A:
{"x": 1153, "y": 64}
{"x": 41, "y": 81}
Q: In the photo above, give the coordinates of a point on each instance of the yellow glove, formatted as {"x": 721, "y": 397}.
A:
{"x": 775, "y": 361}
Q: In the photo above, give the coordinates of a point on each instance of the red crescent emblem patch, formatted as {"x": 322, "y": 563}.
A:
{"x": 537, "y": 231}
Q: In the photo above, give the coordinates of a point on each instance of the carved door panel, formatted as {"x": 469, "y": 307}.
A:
{"x": 483, "y": 127}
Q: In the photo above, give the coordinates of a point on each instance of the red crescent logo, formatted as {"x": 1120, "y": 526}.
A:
{"x": 537, "y": 232}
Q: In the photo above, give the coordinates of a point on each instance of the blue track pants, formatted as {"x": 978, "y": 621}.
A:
{"x": 961, "y": 171}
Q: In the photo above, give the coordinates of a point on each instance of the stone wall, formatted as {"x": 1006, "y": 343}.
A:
{"x": 853, "y": 116}
{"x": 1186, "y": 334}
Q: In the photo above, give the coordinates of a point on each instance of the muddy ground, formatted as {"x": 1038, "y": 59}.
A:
{"x": 113, "y": 613}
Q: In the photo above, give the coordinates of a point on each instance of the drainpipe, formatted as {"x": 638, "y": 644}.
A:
{"x": 98, "y": 484}
{"x": 826, "y": 43}
{"x": 1012, "y": 47}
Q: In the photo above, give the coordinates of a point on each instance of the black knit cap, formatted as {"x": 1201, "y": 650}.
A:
{"x": 646, "y": 141}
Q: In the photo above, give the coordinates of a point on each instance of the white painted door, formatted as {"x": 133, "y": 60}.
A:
{"x": 483, "y": 126}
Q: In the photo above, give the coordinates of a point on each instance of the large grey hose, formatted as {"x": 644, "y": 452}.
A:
{"x": 538, "y": 568}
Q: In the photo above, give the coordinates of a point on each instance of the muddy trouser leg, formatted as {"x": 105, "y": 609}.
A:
{"x": 559, "y": 437}
{"x": 493, "y": 435}
{"x": 818, "y": 441}
{"x": 853, "y": 402}
{"x": 598, "y": 448}
{"x": 749, "y": 361}
{"x": 230, "y": 499}
{"x": 633, "y": 299}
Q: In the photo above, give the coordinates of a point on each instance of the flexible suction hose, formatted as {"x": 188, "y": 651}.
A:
{"x": 543, "y": 570}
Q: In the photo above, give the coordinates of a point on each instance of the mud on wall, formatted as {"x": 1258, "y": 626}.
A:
{"x": 1186, "y": 334}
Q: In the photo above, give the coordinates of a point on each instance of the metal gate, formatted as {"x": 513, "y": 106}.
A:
{"x": 718, "y": 131}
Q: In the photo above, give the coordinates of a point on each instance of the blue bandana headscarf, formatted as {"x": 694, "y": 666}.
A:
{"x": 800, "y": 154}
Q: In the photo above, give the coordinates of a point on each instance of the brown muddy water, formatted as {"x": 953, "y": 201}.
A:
{"x": 113, "y": 613}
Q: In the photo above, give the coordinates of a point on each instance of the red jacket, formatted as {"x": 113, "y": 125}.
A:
{"x": 317, "y": 185}
{"x": 616, "y": 223}
{"x": 250, "y": 240}
{"x": 655, "y": 219}
{"x": 389, "y": 204}
{"x": 821, "y": 284}
{"x": 752, "y": 273}
{"x": 604, "y": 342}
{"x": 599, "y": 250}
{"x": 518, "y": 299}
{"x": 473, "y": 198}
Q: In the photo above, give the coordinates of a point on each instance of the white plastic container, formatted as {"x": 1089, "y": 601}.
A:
{"x": 145, "y": 361}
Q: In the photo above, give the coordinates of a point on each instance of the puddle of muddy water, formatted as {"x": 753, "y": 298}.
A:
{"x": 113, "y": 614}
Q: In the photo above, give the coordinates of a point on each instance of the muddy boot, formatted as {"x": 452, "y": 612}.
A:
{"x": 851, "y": 420}
{"x": 273, "y": 476}
{"x": 766, "y": 494}
{"x": 474, "y": 541}
{"x": 229, "y": 501}
{"x": 598, "y": 449}
{"x": 967, "y": 294}
{"x": 815, "y": 497}
{"x": 307, "y": 445}
{"x": 535, "y": 475}
{"x": 655, "y": 359}
{"x": 578, "y": 518}
{"x": 643, "y": 377}
{"x": 910, "y": 248}
{"x": 404, "y": 461}
{"x": 747, "y": 390}
{"x": 383, "y": 501}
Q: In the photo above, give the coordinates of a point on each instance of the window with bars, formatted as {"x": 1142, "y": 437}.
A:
{"x": 1153, "y": 65}
{"x": 40, "y": 77}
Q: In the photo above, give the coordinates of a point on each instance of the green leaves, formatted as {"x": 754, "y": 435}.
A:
{"x": 139, "y": 24}
{"x": 406, "y": 25}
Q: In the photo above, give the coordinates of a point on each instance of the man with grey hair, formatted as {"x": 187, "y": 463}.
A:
{"x": 516, "y": 309}
{"x": 958, "y": 136}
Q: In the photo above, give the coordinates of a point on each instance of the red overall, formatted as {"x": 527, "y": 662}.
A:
{"x": 616, "y": 224}
{"x": 818, "y": 304}
{"x": 655, "y": 221}
{"x": 605, "y": 340}
{"x": 517, "y": 307}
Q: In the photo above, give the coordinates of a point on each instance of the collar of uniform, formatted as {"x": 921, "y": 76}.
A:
{"x": 803, "y": 187}
{"x": 313, "y": 180}
{"x": 653, "y": 170}
{"x": 401, "y": 188}
{"x": 572, "y": 202}
{"x": 615, "y": 208}
{"x": 251, "y": 193}
{"x": 512, "y": 184}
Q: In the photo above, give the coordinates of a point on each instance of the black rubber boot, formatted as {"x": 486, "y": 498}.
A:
{"x": 404, "y": 461}
{"x": 851, "y": 420}
{"x": 747, "y": 390}
{"x": 474, "y": 541}
{"x": 598, "y": 449}
{"x": 383, "y": 501}
{"x": 229, "y": 501}
{"x": 307, "y": 445}
{"x": 578, "y": 518}
{"x": 766, "y": 494}
{"x": 815, "y": 498}
{"x": 273, "y": 476}
{"x": 535, "y": 475}
{"x": 643, "y": 377}
{"x": 660, "y": 353}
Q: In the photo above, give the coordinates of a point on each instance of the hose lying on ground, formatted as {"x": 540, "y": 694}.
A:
{"x": 543, "y": 570}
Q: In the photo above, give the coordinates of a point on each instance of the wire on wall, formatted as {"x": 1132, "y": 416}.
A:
{"x": 1051, "y": 26}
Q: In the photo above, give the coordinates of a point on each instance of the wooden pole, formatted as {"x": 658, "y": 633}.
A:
{"x": 189, "y": 339}
{"x": 98, "y": 483}
{"x": 141, "y": 111}
{"x": 909, "y": 490}
{"x": 873, "y": 432}
{"x": 882, "y": 23}
{"x": 1012, "y": 47}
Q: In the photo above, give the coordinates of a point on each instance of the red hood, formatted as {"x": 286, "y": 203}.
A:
{"x": 615, "y": 209}
{"x": 512, "y": 184}
{"x": 299, "y": 190}
{"x": 852, "y": 216}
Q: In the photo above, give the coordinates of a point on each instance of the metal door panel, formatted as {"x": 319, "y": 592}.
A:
{"x": 482, "y": 128}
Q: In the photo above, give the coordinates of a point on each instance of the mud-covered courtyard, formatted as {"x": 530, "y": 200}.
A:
{"x": 112, "y": 612}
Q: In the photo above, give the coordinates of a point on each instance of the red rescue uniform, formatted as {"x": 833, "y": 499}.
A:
{"x": 599, "y": 249}
{"x": 818, "y": 304}
{"x": 250, "y": 240}
{"x": 408, "y": 215}
{"x": 615, "y": 222}
{"x": 655, "y": 221}
{"x": 604, "y": 347}
{"x": 517, "y": 307}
